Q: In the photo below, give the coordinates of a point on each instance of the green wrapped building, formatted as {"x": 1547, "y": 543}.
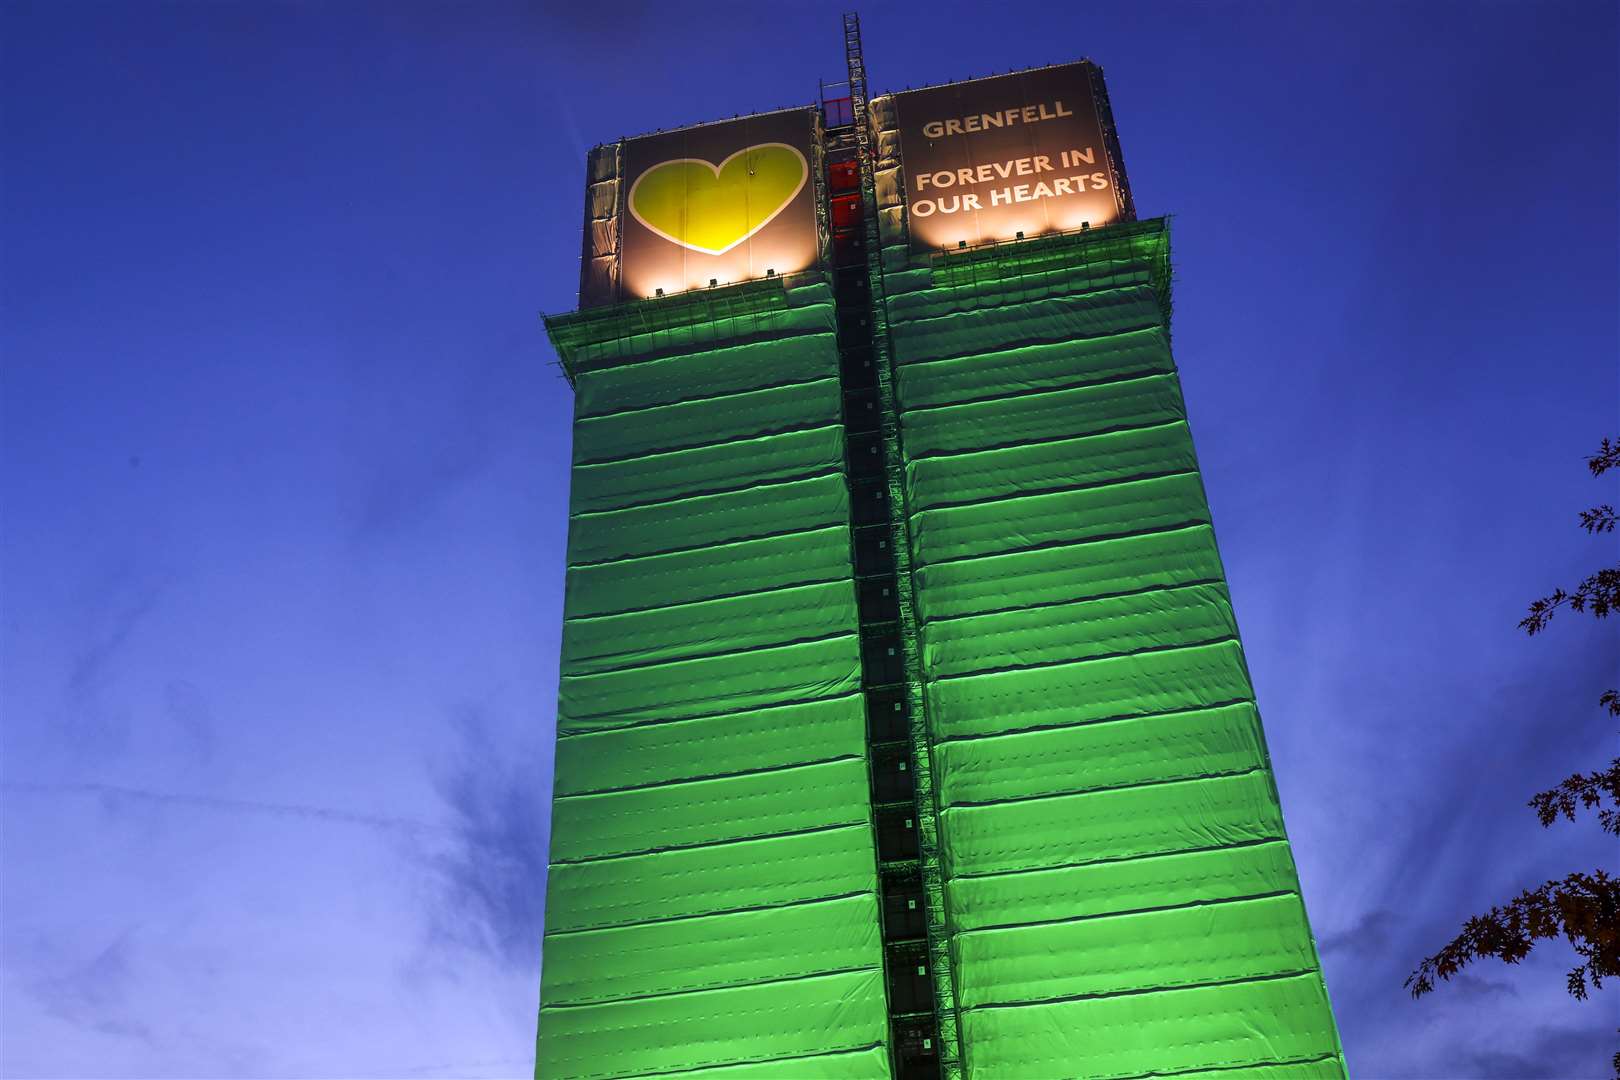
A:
{"x": 904, "y": 728}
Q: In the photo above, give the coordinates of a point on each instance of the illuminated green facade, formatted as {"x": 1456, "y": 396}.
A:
{"x": 1093, "y": 878}
{"x": 712, "y": 897}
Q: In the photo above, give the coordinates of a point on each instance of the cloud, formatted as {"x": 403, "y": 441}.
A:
{"x": 1553, "y": 1053}
{"x": 95, "y": 995}
{"x": 119, "y": 606}
{"x": 493, "y": 878}
{"x": 1369, "y": 935}
{"x": 423, "y": 451}
{"x": 1457, "y": 838}
{"x": 193, "y": 720}
{"x": 112, "y": 796}
{"x": 118, "y": 617}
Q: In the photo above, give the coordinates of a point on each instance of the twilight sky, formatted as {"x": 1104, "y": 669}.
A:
{"x": 283, "y": 482}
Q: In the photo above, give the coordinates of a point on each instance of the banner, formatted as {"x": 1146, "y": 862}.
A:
{"x": 992, "y": 158}
{"x": 717, "y": 203}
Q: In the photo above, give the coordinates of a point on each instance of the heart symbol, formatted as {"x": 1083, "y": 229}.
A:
{"x": 693, "y": 203}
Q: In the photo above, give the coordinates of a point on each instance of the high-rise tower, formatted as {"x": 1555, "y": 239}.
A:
{"x": 904, "y": 727}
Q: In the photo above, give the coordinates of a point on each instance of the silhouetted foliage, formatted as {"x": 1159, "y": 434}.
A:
{"x": 1584, "y": 909}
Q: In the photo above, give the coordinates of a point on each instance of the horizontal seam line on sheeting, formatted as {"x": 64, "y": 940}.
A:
{"x": 1094, "y": 916}
{"x": 1244, "y": 981}
{"x": 853, "y": 631}
{"x": 1119, "y": 655}
{"x": 757, "y": 771}
{"x": 599, "y": 365}
{"x": 1058, "y": 545}
{"x": 1055, "y": 440}
{"x": 1104, "y": 538}
{"x": 708, "y": 716}
{"x": 1137, "y": 785}
{"x": 1279, "y": 839}
{"x": 1025, "y": 493}
{"x": 823, "y": 469}
{"x": 805, "y": 471}
{"x": 832, "y": 527}
{"x": 787, "y": 427}
{"x": 905, "y": 324}
{"x": 1017, "y": 444}
{"x": 717, "y": 544}
{"x": 1114, "y": 719}
{"x": 1040, "y": 605}
{"x": 844, "y": 577}
{"x": 806, "y": 902}
{"x": 985, "y": 355}
{"x": 1201, "y": 1070}
{"x": 711, "y": 988}
{"x": 710, "y": 843}
{"x": 826, "y": 425}
{"x": 633, "y": 409}
{"x": 1037, "y": 391}
{"x": 685, "y": 1069}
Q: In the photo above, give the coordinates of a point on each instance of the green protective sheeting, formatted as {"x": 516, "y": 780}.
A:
{"x": 1035, "y": 367}
{"x": 665, "y": 380}
{"x": 681, "y": 955}
{"x": 687, "y": 882}
{"x": 1058, "y": 517}
{"x": 869, "y": 1064}
{"x": 1042, "y": 322}
{"x": 1076, "y": 630}
{"x": 1046, "y": 465}
{"x": 1140, "y": 883}
{"x": 1149, "y": 819}
{"x": 1148, "y": 950}
{"x": 712, "y": 900}
{"x": 710, "y": 685}
{"x": 1229, "y": 1026}
{"x": 1035, "y": 417}
{"x": 698, "y": 574}
{"x": 614, "y": 339}
{"x": 1093, "y": 757}
{"x": 800, "y": 612}
{"x": 705, "y": 421}
{"x": 1113, "y": 888}
{"x": 1076, "y": 571}
{"x": 1140, "y": 684}
{"x": 704, "y": 520}
{"x": 1120, "y": 897}
{"x": 706, "y": 470}
{"x": 791, "y": 800}
{"x": 759, "y": 1022}
{"x": 724, "y": 745}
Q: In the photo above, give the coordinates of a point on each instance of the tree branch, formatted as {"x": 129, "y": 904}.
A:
{"x": 1607, "y": 457}
{"x": 1588, "y": 791}
{"x": 1600, "y": 593}
{"x": 1583, "y": 908}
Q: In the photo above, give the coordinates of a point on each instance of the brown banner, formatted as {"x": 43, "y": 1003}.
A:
{"x": 723, "y": 203}
{"x": 992, "y": 158}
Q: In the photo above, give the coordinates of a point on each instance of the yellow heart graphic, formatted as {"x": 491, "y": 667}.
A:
{"x": 712, "y": 209}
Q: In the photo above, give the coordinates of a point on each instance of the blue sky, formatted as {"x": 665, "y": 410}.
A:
{"x": 283, "y": 482}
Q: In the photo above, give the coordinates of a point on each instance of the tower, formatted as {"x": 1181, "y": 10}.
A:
{"x": 904, "y": 728}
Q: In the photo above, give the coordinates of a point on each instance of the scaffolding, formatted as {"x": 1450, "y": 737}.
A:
{"x": 1122, "y": 899}
{"x": 904, "y": 729}
{"x": 926, "y": 1043}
